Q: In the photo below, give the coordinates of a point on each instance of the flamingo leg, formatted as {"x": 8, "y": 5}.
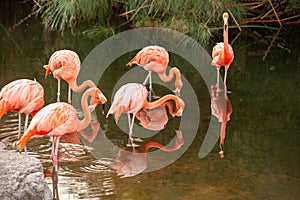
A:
{"x": 218, "y": 77}
{"x": 148, "y": 76}
{"x": 52, "y": 149}
{"x": 25, "y": 127}
{"x": 131, "y": 123}
{"x": 69, "y": 96}
{"x": 58, "y": 90}
{"x": 56, "y": 153}
{"x": 55, "y": 183}
{"x": 26, "y": 122}
{"x": 130, "y": 139}
{"x": 19, "y": 130}
{"x": 150, "y": 87}
{"x": 225, "y": 77}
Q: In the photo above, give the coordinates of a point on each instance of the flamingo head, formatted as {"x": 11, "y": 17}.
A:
{"x": 97, "y": 98}
{"x": 180, "y": 107}
{"x": 48, "y": 71}
{"x": 132, "y": 61}
{"x": 225, "y": 18}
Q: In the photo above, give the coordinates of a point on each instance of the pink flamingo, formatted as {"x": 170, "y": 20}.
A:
{"x": 156, "y": 58}
{"x": 65, "y": 64}
{"x": 222, "y": 53}
{"x": 132, "y": 97}
{"x": 60, "y": 118}
{"x": 22, "y": 96}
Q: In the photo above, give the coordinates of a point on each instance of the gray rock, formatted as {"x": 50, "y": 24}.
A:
{"x": 21, "y": 177}
{"x": 2, "y": 146}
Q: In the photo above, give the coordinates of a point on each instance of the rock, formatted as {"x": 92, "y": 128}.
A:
{"x": 21, "y": 177}
{"x": 2, "y": 146}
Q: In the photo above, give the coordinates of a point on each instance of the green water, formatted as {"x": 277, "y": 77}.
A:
{"x": 262, "y": 139}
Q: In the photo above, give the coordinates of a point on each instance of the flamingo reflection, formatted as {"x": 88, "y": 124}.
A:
{"x": 155, "y": 119}
{"x": 221, "y": 108}
{"x": 132, "y": 161}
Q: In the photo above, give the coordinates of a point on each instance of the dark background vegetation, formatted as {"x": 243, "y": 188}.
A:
{"x": 198, "y": 19}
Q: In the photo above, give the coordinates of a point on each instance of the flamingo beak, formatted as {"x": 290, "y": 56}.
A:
{"x": 181, "y": 107}
{"x": 103, "y": 107}
{"x": 47, "y": 70}
{"x": 102, "y": 98}
{"x": 103, "y": 101}
{"x": 132, "y": 61}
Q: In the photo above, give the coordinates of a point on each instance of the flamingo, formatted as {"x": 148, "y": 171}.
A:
{"x": 65, "y": 64}
{"x": 222, "y": 53}
{"x": 133, "y": 161}
{"x": 22, "y": 96}
{"x": 132, "y": 97}
{"x": 57, "y": 119}
{"x": 221, "y": 108}
{"x": 156, "y": 58}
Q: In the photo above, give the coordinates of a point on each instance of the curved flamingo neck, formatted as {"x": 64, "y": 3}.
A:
{"x": 167, "y": 78}
{"x": 84, "y": 105}
{"x": 170, "y": 107}
{"x": 80, "y": 88}
{"x": 162, "y": 100}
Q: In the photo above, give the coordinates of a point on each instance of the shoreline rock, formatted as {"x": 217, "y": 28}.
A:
{"x": 21, "y": 177}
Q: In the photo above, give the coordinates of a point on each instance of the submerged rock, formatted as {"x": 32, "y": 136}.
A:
{"x": 21, "y": 177}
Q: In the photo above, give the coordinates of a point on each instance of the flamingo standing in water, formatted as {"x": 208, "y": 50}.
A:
{"x": 65, "y": 64}
{"x": 132, "y": 97}
{"x": 22, "y": 96}
{"x": 60, "y": 118}
{"x": 222, "y": 53}
{"x": 156, "y": 58}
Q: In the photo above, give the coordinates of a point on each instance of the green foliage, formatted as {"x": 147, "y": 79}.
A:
{"x": 62, "y": 14}
{"x": 196, "y": 18}
{"x": 188, "y": 16}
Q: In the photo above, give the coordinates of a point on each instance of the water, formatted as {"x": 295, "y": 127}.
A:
{"x": 261, "y": 145}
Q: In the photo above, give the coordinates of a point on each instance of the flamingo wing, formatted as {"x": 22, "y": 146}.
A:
{"x": 216, "y": 54}
{"x": 23, "y": 95}
{"x": 153, "y": 58}
{"x": 129, "y": 98}
{"x": 64, "y": 64}
{"x": 54, "y": 119}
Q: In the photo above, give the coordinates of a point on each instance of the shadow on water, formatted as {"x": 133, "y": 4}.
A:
{"x": 262, "y": 138}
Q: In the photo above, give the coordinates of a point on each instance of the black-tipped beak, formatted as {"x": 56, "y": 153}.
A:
{"x": 103, "y": 107}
